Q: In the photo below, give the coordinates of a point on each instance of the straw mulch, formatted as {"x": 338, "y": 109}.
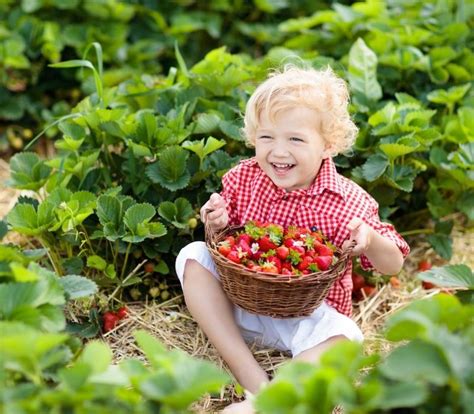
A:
{"x": 172, "y": 324}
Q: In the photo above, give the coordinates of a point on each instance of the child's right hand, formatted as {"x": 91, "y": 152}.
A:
{"x": 218, "y": 217}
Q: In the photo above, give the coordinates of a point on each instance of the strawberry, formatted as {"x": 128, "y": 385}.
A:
{"x": 257, "y": 255}
{"x": 110, "y": 320}
{"x": 122, "y": 312}
{"x": 286, "y": 272}
{"x": 323, "y": 250}
{"x": 266, "y": 244}
{"x": 289, "y": 242}
{"x": 276, "y": 261}
{"x": 369, "y": 290}
{"x": 299, "y": 249}
{"x": 428, "y": 285}
{"x": 424, "y": 265}
{"x": 224, "y": 248}
{"x": 358, "y": 281}
{"x": 395, "y": 282}
{"x": 245, "y": 248}
{"x": 323, "y": 262}
{"x": 244, "y": 237}
{"x": 233, "y": 256}
{"x": 303, "y": 265}
{"x": 230, "y": 240}
{"x": 286, "y": 265}
{"x": 149, "y": 267}
{"x": 282, "y": 252}
{"x": 269, "y": 267}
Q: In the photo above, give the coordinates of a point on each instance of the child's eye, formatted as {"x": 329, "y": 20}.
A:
{"x": 264, "y": 137}
{"x": 296, "y": 139}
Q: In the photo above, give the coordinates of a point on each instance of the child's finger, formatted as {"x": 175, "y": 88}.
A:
{"x": 354, "y": 224}
{"x": 216, "y": 201}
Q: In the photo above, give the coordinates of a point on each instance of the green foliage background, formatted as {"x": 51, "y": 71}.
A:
{"x": 150, "y": 113}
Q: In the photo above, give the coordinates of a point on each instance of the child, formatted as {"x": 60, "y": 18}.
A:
{"x": 296, "y": 120}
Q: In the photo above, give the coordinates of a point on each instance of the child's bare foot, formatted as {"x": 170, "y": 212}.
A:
{"x": 244, "y": 407}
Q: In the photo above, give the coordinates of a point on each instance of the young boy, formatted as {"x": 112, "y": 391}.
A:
{"x": 296, "y": 120}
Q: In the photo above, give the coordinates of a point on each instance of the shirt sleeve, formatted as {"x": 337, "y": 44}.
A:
{"x": 230, "y": 185}
{"x": 385, "y": 229}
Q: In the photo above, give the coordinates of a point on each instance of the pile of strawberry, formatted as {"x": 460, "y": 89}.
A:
{"x": 110, "y": 318}
{"x": 271, "y": 248}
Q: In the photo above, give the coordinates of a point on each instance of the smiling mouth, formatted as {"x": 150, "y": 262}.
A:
{"x": 281, "y": 168}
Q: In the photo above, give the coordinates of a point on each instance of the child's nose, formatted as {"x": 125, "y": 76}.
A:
{"x": 280, "y": 150}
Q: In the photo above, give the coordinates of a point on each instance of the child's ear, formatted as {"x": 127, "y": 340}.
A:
{"x": 327, "y": 152}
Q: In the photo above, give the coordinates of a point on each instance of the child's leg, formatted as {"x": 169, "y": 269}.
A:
{"x": 313, "y": 354}
{"x": 213, "y": 311}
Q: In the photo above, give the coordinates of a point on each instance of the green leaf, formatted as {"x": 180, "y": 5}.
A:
{"x": 171, "y": 170}
{"x": 403, "y": 395}
{"x": 177, "y": 213}
{"x": 138, "y": 214}
{"x": 442, "y": 243}
{"x": 402, "y": 177}
{"x": 201, "y": 149}
{"x": 97, "y": 356}
{"x": 3, "y": 229}
{"x": 363, "y": 71}
{"x": 279, "y": 397}
{"x": 77, "y": 286}
{"x": 450, "y": 96}
{"x": 21, "y": 274}
{"x": 456, "y": 276}
{"x": 109, "y": 210}
{"x": 417, "y": 361}
{"x": 28, "y": 172}
{"x": 96, "y": 262}
{"x": 375, "y": 166}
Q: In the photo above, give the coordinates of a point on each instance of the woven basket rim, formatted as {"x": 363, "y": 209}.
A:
{"x": 212, "y": 241}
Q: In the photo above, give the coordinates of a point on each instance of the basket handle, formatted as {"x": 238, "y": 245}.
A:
{"x": 348, "y": 250}
{"x": 210, "y": 235}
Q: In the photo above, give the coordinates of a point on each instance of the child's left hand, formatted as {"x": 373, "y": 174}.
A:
{"x": 361, "y": 233}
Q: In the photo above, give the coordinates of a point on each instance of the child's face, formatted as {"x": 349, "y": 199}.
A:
{"x": 290, "y": 149}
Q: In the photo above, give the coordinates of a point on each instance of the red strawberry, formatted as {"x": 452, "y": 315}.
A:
{"x": 266, "y": 244}
{"x": 286, "y": 265}
{"x": 323, "y": 250}
{"x": 245, "y": 248}
{"x": 230, "y": 240}
{"x": 286, "y": 272}
{"x": 424, "y": 265}
{"x": 276, "y": 261}
{"x": 303, "y": 265}
{"x": 299, "y": 249}
{"x": 269, "y": 267}
{"x": 122, "y": 312}
{"x": 282, "y": 252}
{"x": 428, "y": 285}
{"x": 369, "y": 290}
{"x": 358, "y": 281}
{"x": 323, "y": 262}
{"x": 289, "y": 242}
{"x": 110, "y": 320}
{"x": 233, "y": 256}
{"x": 244, "y": 237}
{"x": 224, "y": 248}
{"x": 149, "y": 267}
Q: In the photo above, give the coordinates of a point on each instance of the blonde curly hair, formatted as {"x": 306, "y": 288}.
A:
{"x": 320, "y": 90}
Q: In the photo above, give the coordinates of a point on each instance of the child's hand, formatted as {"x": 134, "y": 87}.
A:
{"x": 218, "y": 217}
{"x": 361, "y": 233}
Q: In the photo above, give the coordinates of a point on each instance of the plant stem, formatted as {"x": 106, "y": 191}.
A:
{"x": 416, "y": 231}
{"x": 133, "y": 272}
{"x": 124, "y": 266}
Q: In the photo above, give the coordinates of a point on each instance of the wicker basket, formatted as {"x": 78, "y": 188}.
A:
{"x": 269, "y": 294}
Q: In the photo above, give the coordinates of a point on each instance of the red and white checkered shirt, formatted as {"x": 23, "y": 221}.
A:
{"x": 329, "y": 205}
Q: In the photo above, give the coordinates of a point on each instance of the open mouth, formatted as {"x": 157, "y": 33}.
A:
{"x": 281, "y": 168}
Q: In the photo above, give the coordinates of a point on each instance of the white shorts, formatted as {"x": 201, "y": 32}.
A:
{"x": 291, "y": 334}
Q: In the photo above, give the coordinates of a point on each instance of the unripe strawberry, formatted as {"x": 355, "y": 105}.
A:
{"x": 192, "y": 223}
{"x": 154, "y": 292}
{"x": 165, "y": 295}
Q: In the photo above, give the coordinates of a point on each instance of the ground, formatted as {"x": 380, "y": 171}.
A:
{"x": 171, "y": 323}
